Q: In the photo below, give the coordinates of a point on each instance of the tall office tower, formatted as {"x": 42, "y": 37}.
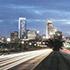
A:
{"x": 21, "y": 27}
{"x": 50, "y": 29}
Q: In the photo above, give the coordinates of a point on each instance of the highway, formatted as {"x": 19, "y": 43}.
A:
{"x": 23, "y": 61}
{"x": 57, "y": 60}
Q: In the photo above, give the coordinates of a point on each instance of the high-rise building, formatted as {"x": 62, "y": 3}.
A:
{"x": 51, "y": 29}
{"x": 22, "y": 27}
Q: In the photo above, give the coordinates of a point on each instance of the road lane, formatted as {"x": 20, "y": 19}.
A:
{"x": 20, "y": 58}
{"x": 55, "y": 61}
{"x": 30, "y": 64}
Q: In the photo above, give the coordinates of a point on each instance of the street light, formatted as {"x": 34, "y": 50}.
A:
{"x": 8, "y": 39}
{"x": 22, "y": 42}
{"x": 37, "y": 32}
{"x": 30, "y": 43}
{"x": 34, "y": 44}
{"x": 43, "y": 43}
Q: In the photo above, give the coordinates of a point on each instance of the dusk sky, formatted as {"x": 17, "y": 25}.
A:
{"x": 36, "y": 12}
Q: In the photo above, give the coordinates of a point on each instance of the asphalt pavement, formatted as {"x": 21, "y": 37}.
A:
{"x": 55, "y": 61}
{"x": 22, "y": 59}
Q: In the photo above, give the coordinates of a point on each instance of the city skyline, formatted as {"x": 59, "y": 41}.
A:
{"x": 36, "y": 13}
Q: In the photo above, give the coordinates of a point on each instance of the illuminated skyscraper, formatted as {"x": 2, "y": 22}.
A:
{"x": 21, "y": 27}
{"x": 50, "y": 28}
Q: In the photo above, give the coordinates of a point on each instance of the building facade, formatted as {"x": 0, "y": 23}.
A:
{"x": 22, "y": 27}
{"x": 31, "y": 34}
{"x": 51, "y": 29}
{"x": 14, "y": 36}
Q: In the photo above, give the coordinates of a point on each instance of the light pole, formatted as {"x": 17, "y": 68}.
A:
{"x": 8, "y": 41}
{"x": 22, "y": 45}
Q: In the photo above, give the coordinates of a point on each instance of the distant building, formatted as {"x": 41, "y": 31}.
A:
{"x": 2, "y": 39}
{"x": 14, "y": 36}
{"x": 51, "y": 29}
{"x": 31, "y": 34}
{"x": 43, "y": 36}
{"x": 22, "y": 27}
